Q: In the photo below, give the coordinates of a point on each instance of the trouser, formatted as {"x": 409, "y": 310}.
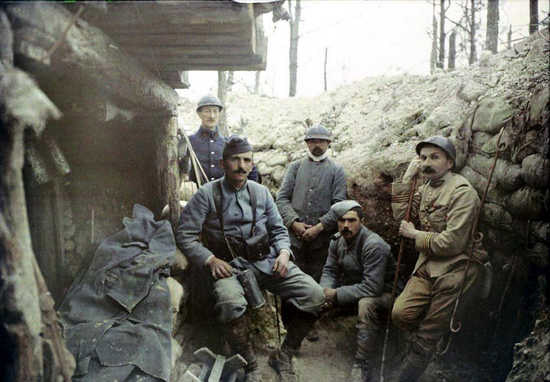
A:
{"x": 311, "y": 260}
{"x": 426, "y": 304}
{"x": 296, "y": 289}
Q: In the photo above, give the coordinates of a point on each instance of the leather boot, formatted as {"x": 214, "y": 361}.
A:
{"x": 362, "y": 369}
{"x": 236, "y": 335}
{"x": 281, "y": 361}
{"x": 415, "y": 363}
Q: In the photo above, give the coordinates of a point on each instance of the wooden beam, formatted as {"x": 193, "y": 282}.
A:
{"x": 87, "y": 58}
{"x": 177, "y": 39}
{"x": 140, "y": 14}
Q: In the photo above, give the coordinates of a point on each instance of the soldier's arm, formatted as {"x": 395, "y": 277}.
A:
{"x": 400, "y": 193}
{"x": 339, "y": 193}
{"x": 461, "y": 214}
{"x": 284, "y": 196}
{"x": 329, "y": 276}
{"x": 190, "y": 226}
{"x": 278, "y": 234}
{"x": 375, "y": 257}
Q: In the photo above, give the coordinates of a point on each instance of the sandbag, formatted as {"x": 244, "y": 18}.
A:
{"x": 496, "y": 216}
{"x": 534, "y": 171}
{"x": 491, "y": 115}
{"x": 528, "y": 203}
{"x": 506, "y": 174}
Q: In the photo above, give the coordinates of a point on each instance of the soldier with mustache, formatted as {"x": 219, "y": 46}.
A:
{"x": 447, "y": 206}
{"x": 358, "y": 278}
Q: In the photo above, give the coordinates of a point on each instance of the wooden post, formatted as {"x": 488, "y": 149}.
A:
{"x": 442, "y": 35}
{"x": 222, "y": 92}
{"x": 167, "y": 168}
{"x": 491, "y": 40}
{"x": 325, "y": 69}
{"x": 293, "y": 51}
{"x": 473, "y": 50}
{"x": 257, "y": 82}
{"x": 509, "y": 41}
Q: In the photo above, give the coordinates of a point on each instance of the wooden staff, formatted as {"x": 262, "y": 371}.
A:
{"x": 396, "y": 278}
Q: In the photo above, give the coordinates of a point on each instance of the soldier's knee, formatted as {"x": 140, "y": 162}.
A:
{"x": 230, "y": 309}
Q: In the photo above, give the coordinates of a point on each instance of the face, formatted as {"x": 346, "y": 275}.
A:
{"x": 209, "y": 116}
{"x": 317, "y": 146}
{"x": 434, "y": 162}
{"x": 237, "y": 167}
{"x": 349, "y": 224}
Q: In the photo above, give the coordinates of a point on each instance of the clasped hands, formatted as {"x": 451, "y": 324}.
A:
{"x": 307, "y": 232}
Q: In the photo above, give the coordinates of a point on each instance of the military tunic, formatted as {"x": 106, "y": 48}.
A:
{"x": 447, "y": 209}
{"x": 208, "y": 146}
{"x": 362, "y": 274}
{"x": 308, "y": 190}
{"x": 199, "y": 217}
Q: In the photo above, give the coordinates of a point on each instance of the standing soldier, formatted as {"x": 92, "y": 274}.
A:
{"x": 208, "y": 142}
{"x": 241, "y": 230}
{"x": 358, "y": 277}
{"x": 447, "y": 206}
{"x": 310, "y": 186}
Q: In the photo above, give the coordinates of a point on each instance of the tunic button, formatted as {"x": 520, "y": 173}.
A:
{"x": 211, "y": 165}
{"x": 212, "y": 178}
{"x": 212, "y": 152}
{"x": 212, "y": 140}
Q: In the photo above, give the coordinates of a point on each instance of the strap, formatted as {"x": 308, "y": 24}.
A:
{"x": 253, "y": 204}
{"x": 218, "y": 202}
{"x": 217, "y": 194}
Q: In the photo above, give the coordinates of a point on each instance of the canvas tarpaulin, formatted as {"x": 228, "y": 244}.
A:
{"x": 116, "y": 316}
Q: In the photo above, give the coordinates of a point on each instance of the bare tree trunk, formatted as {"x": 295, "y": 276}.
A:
{"x": 167, "y": 168}
{"x": 433, "y": 54}
{"x": 442, "y": 35}
{"x": 533, "y": 16}
{"x": 452, "y": 51}
{"x": 473, "y": 50}
{"x": 257, "y": 83}
{"x": 293, "y": 53}
{"x": 509, "y": 44}
{"x": 325, "y": 68}
{"x": 222, "y": 92}
{"x": 491, "y": 40}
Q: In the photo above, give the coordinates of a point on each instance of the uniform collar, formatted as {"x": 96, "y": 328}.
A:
{"x": 435, "y": 183}
{"x": 207, "y": 132}
{"x": 229, "y": 188}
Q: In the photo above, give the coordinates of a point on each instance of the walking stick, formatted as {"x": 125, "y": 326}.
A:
{"x": 395, "y": 279}
{"x": 455, "y": 326}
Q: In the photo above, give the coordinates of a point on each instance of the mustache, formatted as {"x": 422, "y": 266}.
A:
{"x": 346, "y": 230}
{"x": 428, "y": 170}
{"x": 239, "y": 171}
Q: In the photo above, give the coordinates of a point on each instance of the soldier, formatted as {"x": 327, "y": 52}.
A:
{"x": 310, "y": 186}
{"x": 358, "y": 276}
{"x": 242, "y": 230}
{"x": 208, "y": 142}
{"x": 447, "y": 206}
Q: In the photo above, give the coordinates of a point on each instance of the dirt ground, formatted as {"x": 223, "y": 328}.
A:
{"x": 329, "y": 359}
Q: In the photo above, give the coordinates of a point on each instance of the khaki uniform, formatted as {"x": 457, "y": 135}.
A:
{"x": 447, "y": 209}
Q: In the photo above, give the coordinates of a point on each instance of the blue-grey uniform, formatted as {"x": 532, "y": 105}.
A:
{"x": 362, "y": 273}
{"x": 208, "y": 146}
{"x": 308, "y": 190}
{"x": 199, "y": 217}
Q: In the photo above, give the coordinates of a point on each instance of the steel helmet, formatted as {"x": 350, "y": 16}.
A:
{"x": 443, "y": 143}
{"x": 318, "y": 132}
{"x": 209, "y": 100}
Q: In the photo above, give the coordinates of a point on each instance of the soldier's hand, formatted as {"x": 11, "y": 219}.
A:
{"x": 281, "y": 263}
{"x": 220, "y": 269}
{"x": 299, "y": 228}
{"x": 330, "y": 297}
{"x": 412, "y": 170}
{"x": 407, "y": 229}
{"x": 311, "y": 233}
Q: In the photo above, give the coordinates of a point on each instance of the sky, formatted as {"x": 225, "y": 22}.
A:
{"x": 363, "y": 38}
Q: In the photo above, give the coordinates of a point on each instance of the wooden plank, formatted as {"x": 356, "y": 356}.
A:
{"x": 87, "y": 57}
{"x": 167, "y": 28}
{"x": 138, "y": 14}
{"x": 161, "y": 53}
{"x": 196, "y": 40}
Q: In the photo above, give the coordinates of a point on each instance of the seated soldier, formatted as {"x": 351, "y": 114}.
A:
{"x": 217, "y": 231}
{"x": 358, "y": 275}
